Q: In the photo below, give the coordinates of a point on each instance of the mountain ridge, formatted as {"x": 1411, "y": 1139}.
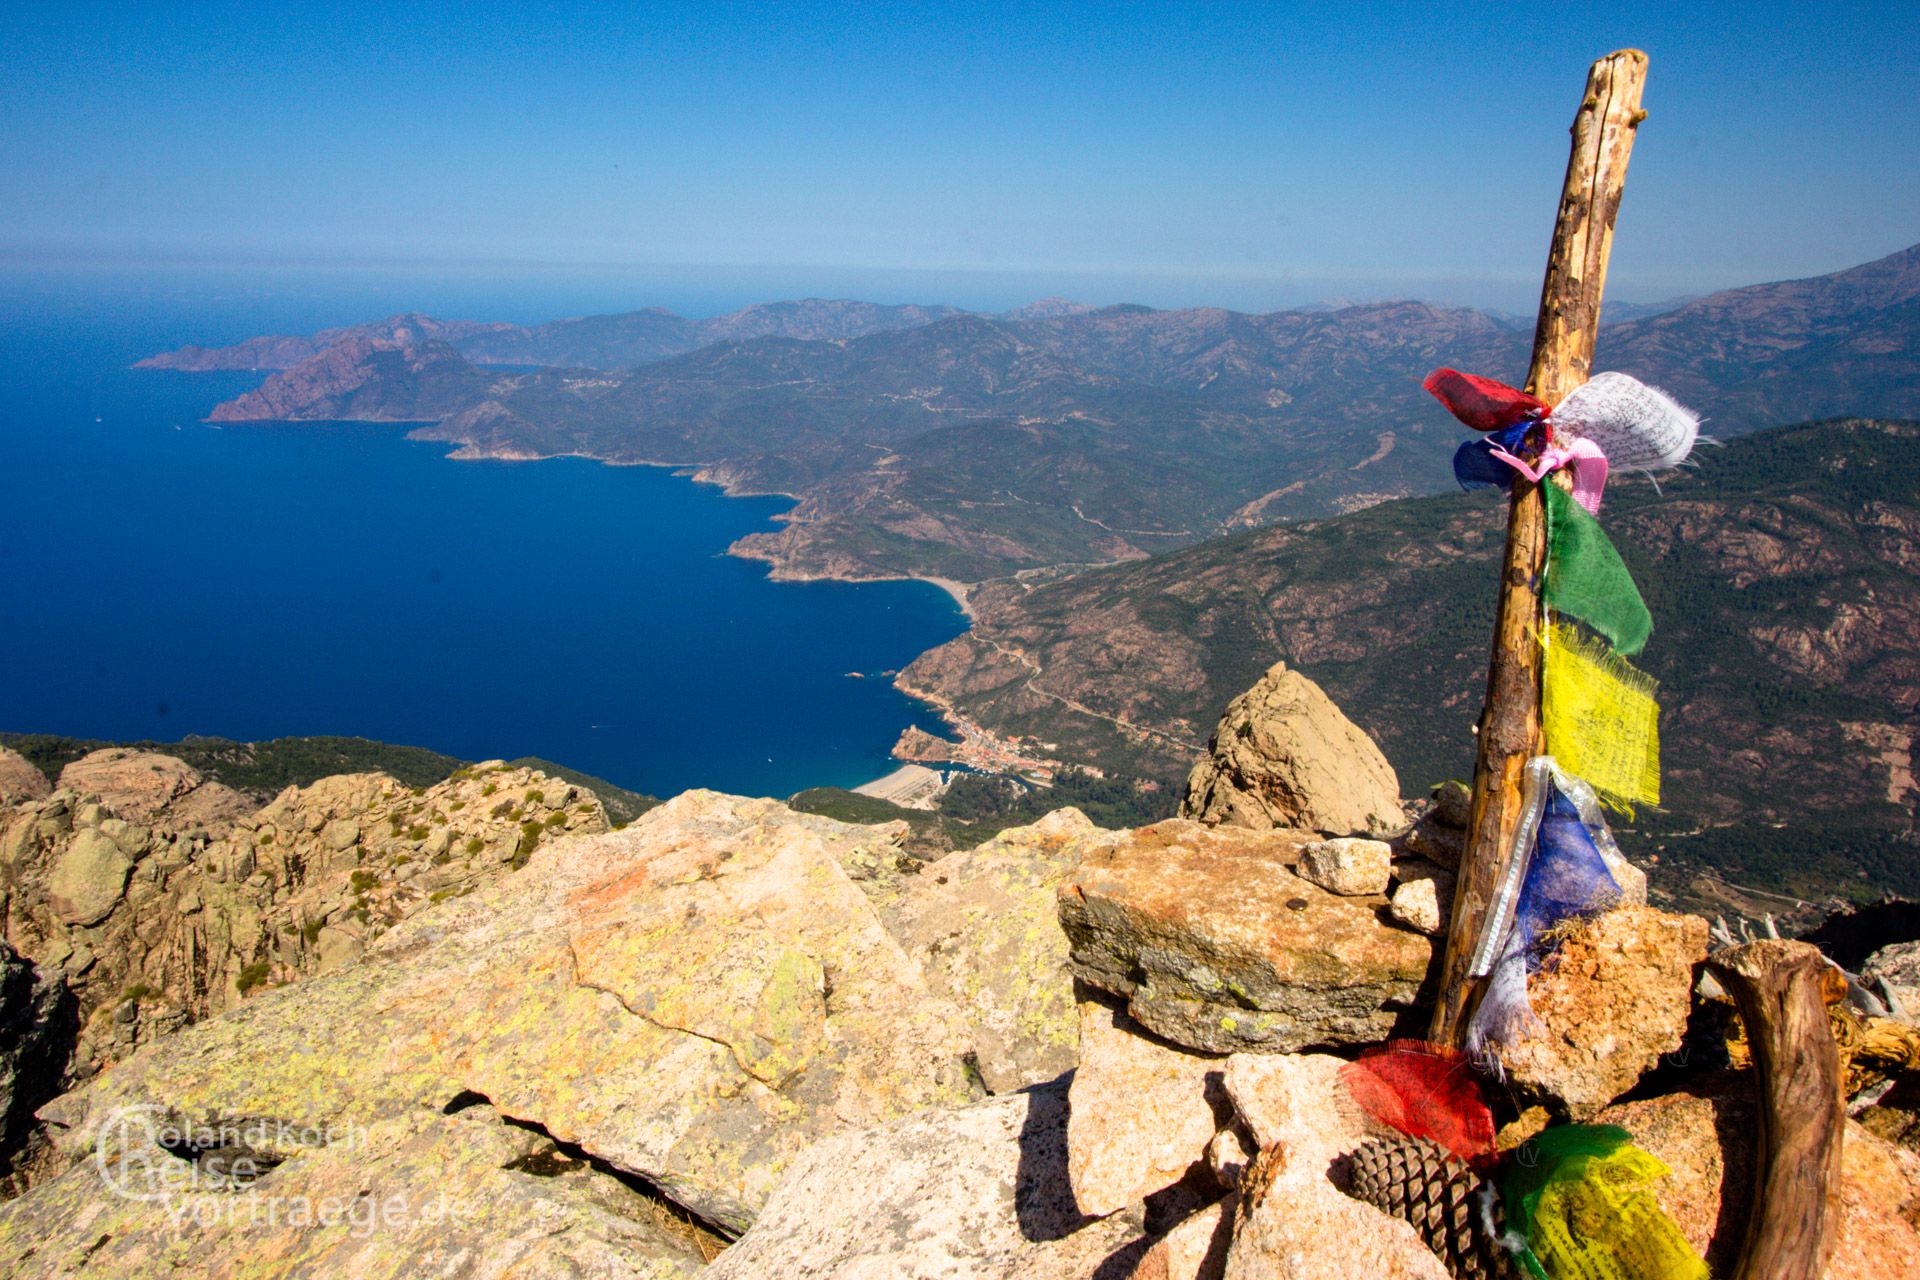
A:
{"x": 937, "y": 443}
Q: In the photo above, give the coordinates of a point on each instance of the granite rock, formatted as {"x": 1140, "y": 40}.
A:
{"x": 37, "y": 1028}
{"x": 694, "y": 999}
{"x": 1351, "y": 866}
{"x": 87, "y": 879}
{"x": 1435, "y": 841}
{"x": 1898, "y": 967}
{"x": 1706, "y": 1137}
{"x": 1144, "y": 1113}
{"x": 983, "y": 926}
{"x": 20, "y": 780}
{"x": 1300, "y": 1224}
{"x": 162, "y": 902}
{"x": 969, "y": 1193}
{"x": 1614, "y": 997}
{"x": 1217, "y": 945}
{"x": 136, "y": 785}
{"x": 417, "y": 1193}
{"x": 1417, "y": 903}
{"x": 1284, "y": 756}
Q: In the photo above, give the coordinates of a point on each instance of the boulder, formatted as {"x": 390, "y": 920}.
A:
{"x": 1453, "y": 804}
{"x": 1300, "y": 1224}
{"x": 1284, "y": 756}
{"x": 1613, "y": 998}
{"x": 1217, "y": 945}
{"x": 1351, "y": 866}
{"x": 983, "y": 925}
{"x": 20, "y": 780}
{"x": 975, "y": 1192}
{"x": 1417, "y": 903}
{"x": 418, "y": 1193}
{"x": 1437, "y": 842}
{"x": 1706, "y": 1136}
{"x": 137, "y": 785}
{"x": 1143, "y": 1114}
{"x": 1194, "y": 1248}
{"x": 88, "y": 879}
{"x": 694, "y": 999}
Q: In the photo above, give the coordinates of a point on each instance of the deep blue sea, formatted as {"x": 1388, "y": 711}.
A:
{"x": 164, "y": 577}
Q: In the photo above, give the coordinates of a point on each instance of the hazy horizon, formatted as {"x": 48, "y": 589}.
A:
{"x": 533, "y": 292}
{"x": 700, "y": 157}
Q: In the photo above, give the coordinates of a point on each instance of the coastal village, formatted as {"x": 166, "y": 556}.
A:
{"x": 916, "y": 785}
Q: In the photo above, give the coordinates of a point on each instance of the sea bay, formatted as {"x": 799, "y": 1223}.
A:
{"x": 166, "y": 577}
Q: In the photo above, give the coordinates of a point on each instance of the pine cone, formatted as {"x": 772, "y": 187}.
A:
{"x": 1423, "y": 1183}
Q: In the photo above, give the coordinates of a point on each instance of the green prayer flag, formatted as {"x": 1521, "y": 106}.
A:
{"x": 1586, "y": 579}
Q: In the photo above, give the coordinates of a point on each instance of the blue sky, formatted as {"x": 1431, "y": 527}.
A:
{"x": 1250, "y": 154}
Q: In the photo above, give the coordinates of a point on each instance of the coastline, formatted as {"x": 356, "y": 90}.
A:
{"x": 705, "y": 473}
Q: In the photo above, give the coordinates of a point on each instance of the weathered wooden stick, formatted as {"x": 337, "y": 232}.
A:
{"x": 1796, "y": 1189}
{"x": 1509, "y": 732}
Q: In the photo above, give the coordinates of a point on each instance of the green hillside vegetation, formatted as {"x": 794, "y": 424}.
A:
{"x": 1782, "y": 576}
{"x": 621, "y": 804}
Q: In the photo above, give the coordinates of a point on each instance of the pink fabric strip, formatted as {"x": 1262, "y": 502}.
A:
{"x": 1583, "y": 456}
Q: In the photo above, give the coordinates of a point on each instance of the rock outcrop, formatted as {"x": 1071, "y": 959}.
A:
{"x": 981, "y": 923}
{"x": 160, "y": 897}
{"x": 694, "y": 1000}
{"x": 1144, "y": 1112}
{"x": 1614, "y": 997}
{"x": 414, "y": 1194}
{"x": 1215, "y": 943}
{"x": 19, "y": 780}
{"x": 1285, "y": 756}
{"x": 1896, "y": 969}
{"x": 1296, "y": 1220}
{"x": 139, "y": 786}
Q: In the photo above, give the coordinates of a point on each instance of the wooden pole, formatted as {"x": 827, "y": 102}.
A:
{"x": 1792, "y": 1227}
{"x": 1509, "y": 731}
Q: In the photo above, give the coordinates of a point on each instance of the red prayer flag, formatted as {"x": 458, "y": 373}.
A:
{"x": 1424, "y": 1091}
{"x": 1482, "y": 403}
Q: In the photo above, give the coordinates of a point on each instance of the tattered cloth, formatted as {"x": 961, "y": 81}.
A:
{"x": 1482, "y": 403}
{"x": 1586, "y": 578}
{"x": 1581, "y": 1195}
{"x": 1599, "y": 718}
{"x": 1638, "y": 427}
{"x": 1612, "y": 420}
{"x": 1422, "y": 1090}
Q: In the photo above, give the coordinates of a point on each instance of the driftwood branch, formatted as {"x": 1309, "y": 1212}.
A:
{"x": 1563, "y": 340}
{"x": 1778, "y": 988}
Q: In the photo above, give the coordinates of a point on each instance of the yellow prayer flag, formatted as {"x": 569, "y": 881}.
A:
{"x": 1606, "y": 1225}
{"x": 1600, "y": 719}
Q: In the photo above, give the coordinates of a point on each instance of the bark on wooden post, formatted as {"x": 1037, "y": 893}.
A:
{"x": 1509, "y": 732}
{"x": 1796, "y": 1178}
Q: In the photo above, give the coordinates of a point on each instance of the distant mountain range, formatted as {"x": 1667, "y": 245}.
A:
{"x": 923, "y": 440}
{"x": 594, "y": 342}
{"x": 1784, "y": 579}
